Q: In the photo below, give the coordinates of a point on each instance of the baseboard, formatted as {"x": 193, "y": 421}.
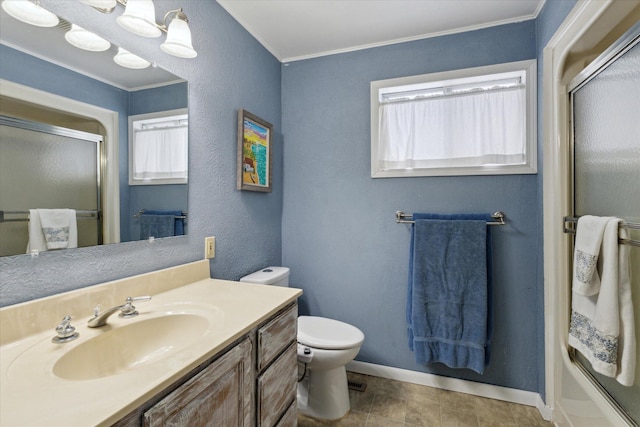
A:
{"x": 545, "y": 411}
{"x": 522, "y": 397}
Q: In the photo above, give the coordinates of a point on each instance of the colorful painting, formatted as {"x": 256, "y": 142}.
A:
{"x": 254, "y": 153}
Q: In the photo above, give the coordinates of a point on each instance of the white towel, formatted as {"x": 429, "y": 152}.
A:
{"x": 586, "y": 280}
{"x": 627, "y": 353}
{"x": 36, "y": 238}
{"x": 52, "y": 229}
{"x": 602, "y": 325}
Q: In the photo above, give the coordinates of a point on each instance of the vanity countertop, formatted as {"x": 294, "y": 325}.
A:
{"x": 31, "y": 394}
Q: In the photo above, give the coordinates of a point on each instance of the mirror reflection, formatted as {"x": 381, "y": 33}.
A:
{"x": 66, "y": 142}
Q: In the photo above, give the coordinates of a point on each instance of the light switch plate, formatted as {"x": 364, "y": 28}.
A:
{"x": 209, "y": 247}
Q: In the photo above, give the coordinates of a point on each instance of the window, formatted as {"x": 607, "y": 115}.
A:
{"x": 476, "y": 121}
{"x": 158, "y": 148}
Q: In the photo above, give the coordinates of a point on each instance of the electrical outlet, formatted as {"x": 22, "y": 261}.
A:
{"x": 209, "y": 247}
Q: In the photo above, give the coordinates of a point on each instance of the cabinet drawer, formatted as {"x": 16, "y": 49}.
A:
{"x": 276, "y": 335}
{"x": 277, "y": 387}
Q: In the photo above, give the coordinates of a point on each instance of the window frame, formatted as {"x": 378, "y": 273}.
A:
{"x": 444, "y": 78}
{"x": 148, "y": 116}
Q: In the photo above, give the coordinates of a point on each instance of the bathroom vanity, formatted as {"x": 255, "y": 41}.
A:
{"x": 200, "y": 349}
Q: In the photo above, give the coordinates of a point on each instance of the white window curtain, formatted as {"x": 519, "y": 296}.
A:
{"x": 466, "y": 129}
{"x": 161, "y": 153}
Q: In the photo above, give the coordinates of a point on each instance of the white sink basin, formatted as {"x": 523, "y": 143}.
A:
{"x": 130, "y": 346}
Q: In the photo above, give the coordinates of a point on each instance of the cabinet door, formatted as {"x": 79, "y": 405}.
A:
{"x": 221, "y": 395}
{"x": 277, "y": 387}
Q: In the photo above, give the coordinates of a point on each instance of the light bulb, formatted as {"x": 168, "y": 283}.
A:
{"x": 127, "y": 59}
{"x": 30, "y": 13}
{"x": 83, "y": 39}
{"x": 178, "y": 42}
{"x": 139, "y": 17}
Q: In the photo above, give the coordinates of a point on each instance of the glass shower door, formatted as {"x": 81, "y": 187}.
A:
{"x": 606, "y": 144}
{"x": 63, "y": 172}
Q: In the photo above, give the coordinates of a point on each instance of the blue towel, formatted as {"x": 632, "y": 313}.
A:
{"x": 178, "y": 224}
{"x": 448, "y": 296}
{"x": 156, "y": 226}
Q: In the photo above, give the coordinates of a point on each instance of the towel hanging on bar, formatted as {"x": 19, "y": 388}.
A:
{"x": 449, "y": 313}
{"x": 23, "y": 216}
{"x": 571, "y": 225}
{"x": 157, "y": 223}
{"x": 178, "y": 215}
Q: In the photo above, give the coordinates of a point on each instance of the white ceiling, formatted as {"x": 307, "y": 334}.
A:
{"x": 291, "y": 30}
{"x": 299, "y": 29}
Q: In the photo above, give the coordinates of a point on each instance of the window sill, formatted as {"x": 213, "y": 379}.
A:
{"x": 456, "y": 171}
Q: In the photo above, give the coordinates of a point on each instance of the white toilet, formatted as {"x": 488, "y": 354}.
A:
{"x": 325, "y": 346}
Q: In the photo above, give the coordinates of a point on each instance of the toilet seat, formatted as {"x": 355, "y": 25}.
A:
{"x": 328, "y": 334}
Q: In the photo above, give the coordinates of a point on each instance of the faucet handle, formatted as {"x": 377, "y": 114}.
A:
{"x": 65, "y": 332}
{"x": 128, "y": 309}
{"x": 65, "y": 325}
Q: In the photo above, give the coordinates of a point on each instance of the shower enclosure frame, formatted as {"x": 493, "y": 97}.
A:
{"x": 96, "y": 139}
{"x": 630, "y": 40}
{"x": 110, "y": 168}
{"x": 571, "y": 396}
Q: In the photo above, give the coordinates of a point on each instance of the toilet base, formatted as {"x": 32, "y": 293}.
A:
{"x": 324, "y": 394}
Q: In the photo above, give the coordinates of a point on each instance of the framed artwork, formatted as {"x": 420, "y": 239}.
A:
{"x": 254, "y": 153}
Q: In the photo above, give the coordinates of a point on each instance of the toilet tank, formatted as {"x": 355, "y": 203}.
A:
{"x": 276, "y": 276}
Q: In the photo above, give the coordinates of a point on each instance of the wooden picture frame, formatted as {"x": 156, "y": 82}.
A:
{"x": 254, "y": 153}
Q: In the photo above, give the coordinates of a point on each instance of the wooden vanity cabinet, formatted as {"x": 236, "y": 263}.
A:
{"x": 253, "y": 383}
{"x": 277, "y": 366}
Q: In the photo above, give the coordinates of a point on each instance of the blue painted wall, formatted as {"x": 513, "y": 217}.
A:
{"x": 338, "y": 232}
{"x": 161, "y": 98}
{"x": 232, "y": 71}
{"x": 340, "y": 238}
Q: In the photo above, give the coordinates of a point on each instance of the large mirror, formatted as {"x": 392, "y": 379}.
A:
{"x": 49, "y": 90}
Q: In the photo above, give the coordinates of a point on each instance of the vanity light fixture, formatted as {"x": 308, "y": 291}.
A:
{"x": 126, "y": 59}
{"x": 178, "y": 42}
{"x": 83, "y": 39}
{"x": 30, "y": 12}
{"x": 139, "y": 18}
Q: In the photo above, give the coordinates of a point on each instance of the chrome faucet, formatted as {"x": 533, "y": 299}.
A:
{"x": 65, "y": 332}
{"x": 126, "y": 310}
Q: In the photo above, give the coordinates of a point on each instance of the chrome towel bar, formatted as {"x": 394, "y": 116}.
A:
{"x": 403, "y": 218}
{"x": 142, "y": 211}
{"x": 8, "y": 216}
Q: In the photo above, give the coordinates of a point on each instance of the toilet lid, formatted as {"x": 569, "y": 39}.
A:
{"x": 330, "y": 334}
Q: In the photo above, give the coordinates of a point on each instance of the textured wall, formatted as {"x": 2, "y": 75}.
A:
{"x": 340, "y": 238}
{"x": 232, "y": 71}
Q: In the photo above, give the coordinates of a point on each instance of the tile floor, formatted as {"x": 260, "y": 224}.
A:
{"x": 389, "y": 403}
